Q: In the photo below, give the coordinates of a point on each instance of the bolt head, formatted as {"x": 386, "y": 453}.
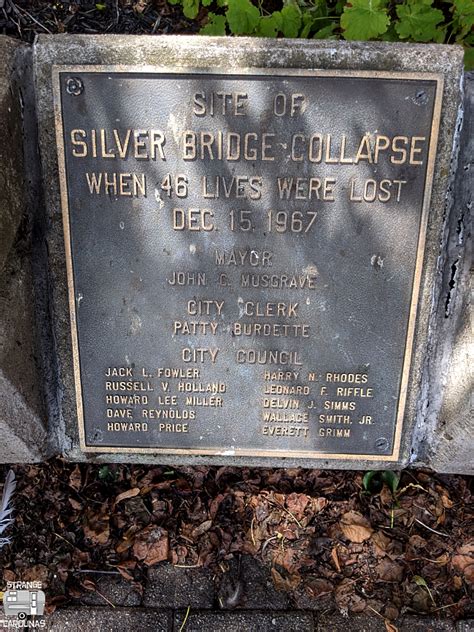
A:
{"x": 74, "y": 86}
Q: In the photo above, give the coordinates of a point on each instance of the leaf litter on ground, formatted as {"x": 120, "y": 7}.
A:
{"x": 319, "y": 534}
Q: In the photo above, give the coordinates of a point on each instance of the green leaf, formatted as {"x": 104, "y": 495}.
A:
{"x": 372, "y": 482}
{"x": 469, "y": 58}
{"x": 463, "y": 17}
{"x": 270, "y": 25}
{"x": 327, "y": 32}
{"x": 101, "y": 7}
{"x": 291, "y": 20}
{"x": 391, "y": 480}
{"x": 464, "y": 12}
{"x": 419, "y": 21}
{"x": 206, "y": 3}
{"x": 364, "y": 19}
{"x": 215, "y": 26}
{"x": 190, "y": 8}
{"x": 242, "y": 16}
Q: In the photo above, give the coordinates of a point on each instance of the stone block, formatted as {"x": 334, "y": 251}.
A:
{"x": 222, "y": 54}
{"x": 22, "y": 413}
{"x": 171, "y": 587}
{"x": 245, "y": 621}
{"x": 109, "y": 620}
{"x": 448, "y": 445}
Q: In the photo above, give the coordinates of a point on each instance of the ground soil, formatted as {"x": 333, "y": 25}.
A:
{"x": 389, "y": 551}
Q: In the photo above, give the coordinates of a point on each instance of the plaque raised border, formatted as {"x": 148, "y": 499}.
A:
{"x": 57, "y": 70}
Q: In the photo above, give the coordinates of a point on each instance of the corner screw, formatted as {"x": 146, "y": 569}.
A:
{"x": 381, "y": 444}
{"x": 74, "y": 86}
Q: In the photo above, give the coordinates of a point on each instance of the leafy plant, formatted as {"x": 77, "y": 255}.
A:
{"x": 440, "y": 21}
{"x": 373, "y": 481}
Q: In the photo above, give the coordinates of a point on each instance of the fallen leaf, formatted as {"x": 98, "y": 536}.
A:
{"x": 288, "y": 583}
{"x": 75, "y": 479}
{"x": 75, "y": 504}
{"x": 355, "y": 527}
{"x": 151, "y": 545}
{"x": 96, "y": 527}
{"x": 389, "y": 571}
{"x": 335, "y": 559}
{"x": 203, "y": 528}
{"x": 128, "y": 494}
{"x": 390, "y": 627}
{"x": 296, "y": 504}
{"x": 37, "y": 573}
{"x": 319, "y": 587}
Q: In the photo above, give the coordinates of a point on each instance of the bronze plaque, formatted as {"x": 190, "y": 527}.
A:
{"x": 244, "y": 256}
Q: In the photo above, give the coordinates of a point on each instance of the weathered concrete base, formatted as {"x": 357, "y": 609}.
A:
{"x": 221, "y": 54}
{"x": 447, "y": 443}
{"x": 22, "y": 418}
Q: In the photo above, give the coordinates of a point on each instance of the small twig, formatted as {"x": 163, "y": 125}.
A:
{"x": 445, "y": 535}
{"x": 273, "y": 502}
{"x": 186, "y": 565}
{"x": 105, "y": 599}
{"x": 35, "y": 20}
{"x": 89, "y": 570}
{"x": 377, "y": 613}
{"x": 185, "y": 619}
{"x": 266, "y": 543}
{"x": 251, "y": 531}
{"x": 448, "y": 606}
{"x": 61, "y": 537}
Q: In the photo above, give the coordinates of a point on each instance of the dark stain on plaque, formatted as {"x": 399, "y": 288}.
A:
{"x": 244, "y": 257}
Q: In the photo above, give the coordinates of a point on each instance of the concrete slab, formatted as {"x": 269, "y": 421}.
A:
{"x": 171, "y": 587}
{"x": 245, "y": 622}
{"x": 108, "y": 620}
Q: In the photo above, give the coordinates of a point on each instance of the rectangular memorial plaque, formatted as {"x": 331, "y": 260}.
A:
{"x": 244, "y": 255}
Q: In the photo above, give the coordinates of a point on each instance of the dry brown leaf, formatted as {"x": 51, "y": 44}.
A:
{"x": 151, "y": 545}
{"x": 37, "y": 573}
{"x": 201, "y": 529}
{"x": 390, "y": 627}
{"x": 75, "y": 504}
{"x": 355, "y": 527}
{"x": 75, "y": 479}
{"x": 382, "y": 543}
{"x": 96, "y": 527}
{"x": 335, "y": 559}
{"x": 319, "y": 587}
{"x": 289, "y": 583}
{"x": 296, "y": 504}
{"x": 131, "y": 493}
{"x": 389, "y": 571}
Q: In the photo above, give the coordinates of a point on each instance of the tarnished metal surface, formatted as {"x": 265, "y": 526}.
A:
{"x": 244, "y": 256}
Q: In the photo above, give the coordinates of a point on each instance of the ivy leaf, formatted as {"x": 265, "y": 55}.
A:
{"x": 291, "y": 20}
{"x": 364, "y": 19}
{"x": 270, "y": 25}
{"x": 190, "y": 8}
{"x": 242, "y": 16}
{"x": 215, "y": 26}
{"x": 419, "y": 21}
